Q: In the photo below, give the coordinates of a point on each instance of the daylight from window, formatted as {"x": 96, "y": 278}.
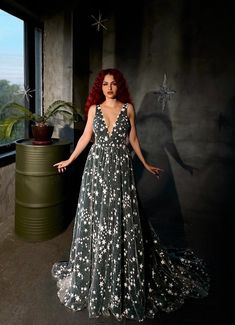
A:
{"x": 11, "y": 67}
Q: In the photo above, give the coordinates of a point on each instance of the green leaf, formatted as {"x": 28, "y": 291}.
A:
{"x": 60, "y": 106}
{"x": 7, "y": 126}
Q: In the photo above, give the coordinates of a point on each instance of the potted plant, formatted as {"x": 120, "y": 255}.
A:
{"x": 42, "y": 127}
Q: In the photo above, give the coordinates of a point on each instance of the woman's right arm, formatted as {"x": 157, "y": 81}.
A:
{"x": 82, "y": 142}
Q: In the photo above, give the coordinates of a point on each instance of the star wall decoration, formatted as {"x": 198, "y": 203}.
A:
{"x": 99, "y": 22}
{"x": 26, "y": 92}
{"x": 165, "y": 93}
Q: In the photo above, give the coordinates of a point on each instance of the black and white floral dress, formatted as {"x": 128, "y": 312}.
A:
{"x": 117, "y": 264}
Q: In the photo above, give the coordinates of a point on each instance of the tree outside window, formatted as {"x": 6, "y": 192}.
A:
{"x": 12, "y": 66}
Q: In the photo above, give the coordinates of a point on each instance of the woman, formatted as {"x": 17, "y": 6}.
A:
{"x": 117, "y": 264}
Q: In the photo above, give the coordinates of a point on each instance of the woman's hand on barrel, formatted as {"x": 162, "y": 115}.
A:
{"x": 61, "y": 166}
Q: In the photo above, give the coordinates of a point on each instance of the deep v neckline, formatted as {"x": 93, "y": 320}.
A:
{"x": 114, "y": 124}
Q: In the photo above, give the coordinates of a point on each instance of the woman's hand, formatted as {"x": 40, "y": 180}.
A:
{"x": 61, "y": 166}
{"x": 153, "y": 169}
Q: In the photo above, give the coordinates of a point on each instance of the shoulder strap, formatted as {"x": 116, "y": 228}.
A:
{"x": 97, "y": 108}
{"x": 125, "y": 107}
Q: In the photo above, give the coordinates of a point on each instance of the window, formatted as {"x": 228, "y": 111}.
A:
{"x": 12, "y": 66}
{"x": 20, "y": 71}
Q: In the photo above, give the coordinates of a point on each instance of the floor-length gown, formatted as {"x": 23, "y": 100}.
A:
{"x": 117, "y": 264}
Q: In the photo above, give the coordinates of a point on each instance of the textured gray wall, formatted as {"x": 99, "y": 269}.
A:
{"x": 190, "y": 41}
{"x": 7, "y": 196}
{"x": 58, "y": 67}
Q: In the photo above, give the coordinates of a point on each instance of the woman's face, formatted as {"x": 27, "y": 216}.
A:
{"x": 109, "y": 86}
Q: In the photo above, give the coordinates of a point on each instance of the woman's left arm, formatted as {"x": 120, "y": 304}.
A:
{"x": 134, "y": 141}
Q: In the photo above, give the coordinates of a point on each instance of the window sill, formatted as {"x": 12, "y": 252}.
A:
{"x": 7, "y": 154}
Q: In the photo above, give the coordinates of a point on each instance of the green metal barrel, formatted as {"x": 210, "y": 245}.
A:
{"x": 40, "y": 190}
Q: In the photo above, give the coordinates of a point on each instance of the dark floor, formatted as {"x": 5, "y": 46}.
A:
{"x": 28, "y": 292}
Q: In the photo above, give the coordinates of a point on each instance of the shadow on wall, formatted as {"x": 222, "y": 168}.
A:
{"x": 159, "y": 199}
{"x": 225, "y": 170}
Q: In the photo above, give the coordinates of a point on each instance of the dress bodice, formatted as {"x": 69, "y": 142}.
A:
{"x": 120, "y": 128}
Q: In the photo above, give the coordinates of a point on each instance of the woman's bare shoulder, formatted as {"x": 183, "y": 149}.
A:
{"x": 92, "y": 110}
{"x": 130, "y": 109}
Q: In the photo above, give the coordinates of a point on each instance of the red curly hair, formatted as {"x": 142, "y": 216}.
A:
{"x": 96, "y": 95}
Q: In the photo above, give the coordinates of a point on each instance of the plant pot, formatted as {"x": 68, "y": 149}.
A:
{"x": 42, "y": 134}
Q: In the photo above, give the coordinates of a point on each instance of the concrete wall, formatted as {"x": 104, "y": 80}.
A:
{"x": 193, "y": 137}
{"x": 7, "y": 197}
{"x": 192, "y": 42}
{"x": 58, "y": 66}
